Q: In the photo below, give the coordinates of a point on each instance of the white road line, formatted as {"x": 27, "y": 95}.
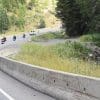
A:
{"x": 5, "y": 94}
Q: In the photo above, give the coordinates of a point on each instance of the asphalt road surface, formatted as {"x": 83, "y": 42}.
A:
{"x": 11, "y": 47}
{"x": 11, "y": 89}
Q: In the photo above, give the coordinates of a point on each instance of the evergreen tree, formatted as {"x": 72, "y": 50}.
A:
{"x": 69, "y": 12}
{"x": 94, "y": 24}
{"x": 90, "y": 10}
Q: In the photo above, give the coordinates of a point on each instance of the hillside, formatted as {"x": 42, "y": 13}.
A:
{"x": 25, "y": 15}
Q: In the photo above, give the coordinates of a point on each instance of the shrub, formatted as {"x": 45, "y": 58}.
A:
{"x": 46, "y": 56}
{"x": 20, "y": 23}
{"x": 71, "y": 49}
{"x": 48, "y": 36}
{"x": 4, "y": 22}
{"x": 12, "y": 20}
{"x": 95, "y": 38}
{"x": 42, "y": 23}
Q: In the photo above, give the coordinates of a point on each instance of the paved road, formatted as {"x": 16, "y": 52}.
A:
{"x": 10, "y": 45}
{"x": 11, "y": 89}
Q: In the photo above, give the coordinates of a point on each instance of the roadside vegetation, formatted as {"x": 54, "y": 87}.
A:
{"x": 92, "y": 38}
{"x": 48, "y": 36}
{"x": 78, "y": 17}
{"x": 67, "y": 57}
{"x": 18, "y": 16}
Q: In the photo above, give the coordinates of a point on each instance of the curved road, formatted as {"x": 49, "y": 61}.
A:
{"x": 11, "y": 89}
{"x": 11, "y": 47}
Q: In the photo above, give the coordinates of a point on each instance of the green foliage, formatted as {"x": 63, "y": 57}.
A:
{"x": 42, "y": 23}
{"x": 91, "y": 13}
{"x": 79, "y": 16}
{"x": 8, "y": 11}
{"x": 4, "y": 22}
{"x": 11, "y": 5}
{"x": 12, "y": 20}
{"x": 22, "y": 11}
{"x": 94, "y": 38}
{"x": 48, "y": 36}
{"x": 20, "y": 20}
{"x": 32, "y": 4}
{"x": 71, "y": 49}
{"x": 22, "y": 1}
{"x": 69, "y": 12}
{"x": 19, "y": 15}
{"x": 46, "y": 56}
{"x": 20, "y": 23}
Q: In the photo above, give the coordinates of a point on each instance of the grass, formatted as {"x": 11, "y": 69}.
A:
{"x": 48, "y": 36}
{"x": 70, "y": 49}
{"x": 95, "y": 38}
{"x": 57, "y": 57}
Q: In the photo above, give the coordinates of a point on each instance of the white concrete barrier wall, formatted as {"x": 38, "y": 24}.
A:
{"x": 51, "y": 82}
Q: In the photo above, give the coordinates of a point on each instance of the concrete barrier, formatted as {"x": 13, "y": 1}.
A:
{"x": 61, "y": 85}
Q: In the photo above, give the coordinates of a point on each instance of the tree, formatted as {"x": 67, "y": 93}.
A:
{"x": 79, "y": 16}
{"x": 4, "y": 22}
{"x": 94, "y": 23}
{"x": 42, "y": 23}
{"x": 69, "y": 12}
{"x": 90, "y": 10}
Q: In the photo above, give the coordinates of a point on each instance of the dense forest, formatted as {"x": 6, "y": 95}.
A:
{"x": 79, "y": 16}
{"x": 22, "y": 14}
